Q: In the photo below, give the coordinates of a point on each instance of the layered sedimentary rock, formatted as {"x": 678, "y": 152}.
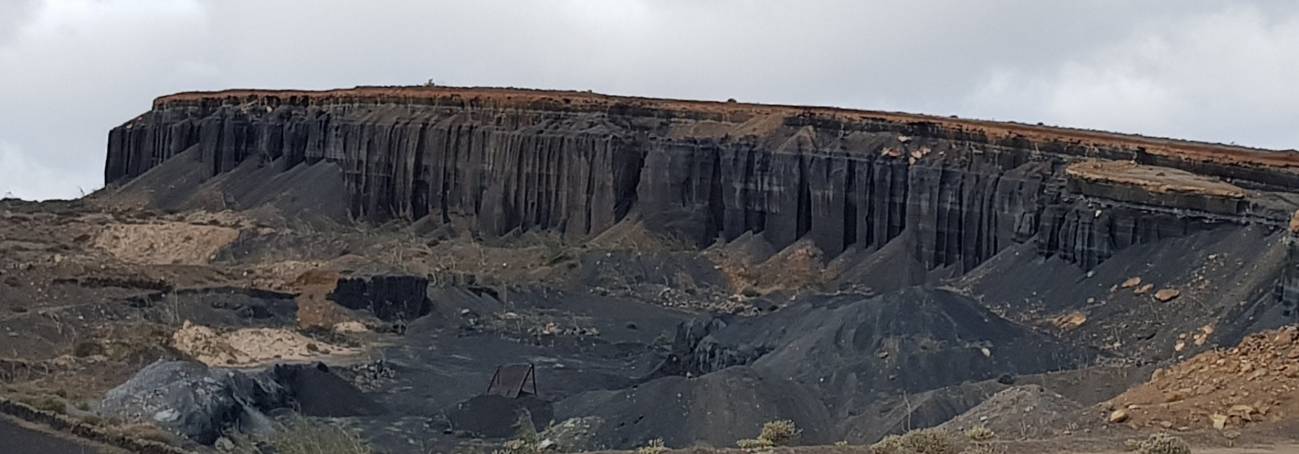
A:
{"x": 577, "y": 163}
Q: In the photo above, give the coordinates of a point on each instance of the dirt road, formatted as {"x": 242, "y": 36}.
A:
{"x": 15, "y": 438}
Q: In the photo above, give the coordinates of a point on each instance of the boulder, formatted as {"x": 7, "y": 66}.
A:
{"x": 199, "y": 402}
{"x": 1131, "y": 282}
{"x": 193, "y": 400}
{"x": 1167, "y": 294}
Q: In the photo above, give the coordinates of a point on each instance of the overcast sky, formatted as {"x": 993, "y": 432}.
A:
{"x": 1225, "y": 71}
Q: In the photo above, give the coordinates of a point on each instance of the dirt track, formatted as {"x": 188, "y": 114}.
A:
{"x": 18, "y": 439}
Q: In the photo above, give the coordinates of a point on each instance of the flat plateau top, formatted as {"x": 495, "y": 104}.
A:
{"x": 1154, "y": 179}
{"x": 739, "y": 112}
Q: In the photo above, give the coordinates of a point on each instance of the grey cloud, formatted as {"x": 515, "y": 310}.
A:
{"x": 15, "y": 13}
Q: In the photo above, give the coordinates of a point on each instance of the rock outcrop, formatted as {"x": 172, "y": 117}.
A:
{"x": 513, "y": 160}
{"x": 391, "y": 298}
{"x": 204, "y": 404}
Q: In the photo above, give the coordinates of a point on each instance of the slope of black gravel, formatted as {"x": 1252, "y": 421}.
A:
{"x": 825, "y": 359}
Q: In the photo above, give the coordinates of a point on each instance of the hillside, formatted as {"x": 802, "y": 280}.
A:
{"x": 674, "y": 270}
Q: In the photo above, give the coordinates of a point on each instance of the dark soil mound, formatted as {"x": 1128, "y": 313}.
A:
{"x": 497, "y": 416}
{"x": 305, "y": 192}
{"x": 825, "y": 359}
{"x": 911, "y": 340}
{"x": 1028, "y": 411}
{"x": 1225, "y": 280}
{"x": 715, "y": 409}
{"x": 901, "y": 413}
{"x": 318, "y": 392}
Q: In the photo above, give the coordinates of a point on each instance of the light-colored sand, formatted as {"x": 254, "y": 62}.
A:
{"x": 251, "y": 346}
{"x": 165, "y": 243}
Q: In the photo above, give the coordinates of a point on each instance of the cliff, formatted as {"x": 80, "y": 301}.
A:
{"x": 956, "y": 191}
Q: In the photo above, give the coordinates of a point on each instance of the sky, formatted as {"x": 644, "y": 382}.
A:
{"x": 1221, "y": 71}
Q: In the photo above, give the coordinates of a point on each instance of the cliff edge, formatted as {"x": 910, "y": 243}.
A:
{"x": 955, "y": 191}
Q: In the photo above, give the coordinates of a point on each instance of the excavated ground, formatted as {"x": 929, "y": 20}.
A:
{"x": 423, "y": 264}
{"x": 653, "y": 341}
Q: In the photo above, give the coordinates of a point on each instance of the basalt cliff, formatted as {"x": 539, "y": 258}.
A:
{"x": 509, "y": 160}
{"x": 421, "y": 264}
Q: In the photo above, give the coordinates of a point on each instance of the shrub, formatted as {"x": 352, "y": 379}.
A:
{"x": 48, "y": 403}
{"x": 520, "y": 446}
{"x": 923, "y": 441}
{"x": 303, "y": 436}
{"x": 753, "y": 443}
{"x": 654, "y": 446}
{"x": 140, "y": 431}
{"x": 780, "y": 433}
{"x": 980, "y": 433}
{"x": 1162, "y": 443}
{"x": 87, "y": 348}
{"x": 984, "y": 448}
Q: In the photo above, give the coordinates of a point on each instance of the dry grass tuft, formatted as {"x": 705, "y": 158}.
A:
{"x": 781, "y": 432}
{"x": 655, "y": 446}
{"x": 1162, "y": 443}
{"x": 923, "y": 441}
{"x": 980, "y": 433}
{"x": 304, "y": 436}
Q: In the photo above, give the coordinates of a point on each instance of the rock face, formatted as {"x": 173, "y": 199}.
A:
{"x": 202, "y": 403}
{"x": 391, "y": 298}
{"x": 1287, "y": 291}
{"x": 577, "y": 163}
{"x": 192, "y": 400}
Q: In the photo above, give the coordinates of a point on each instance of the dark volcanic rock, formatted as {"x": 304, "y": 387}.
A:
{"x": 497, "y": 416}
{"x": 910, "y": 340}
{"x": 694, "y": 350}
{"x": 390, "y": 298}
{"x": 318, "y": 392}
{"x": 819, "y": 363}
{"x": 201, "y": 403}
{"x": 578, "y": 163}
{"x": 1035, "y": 223}
{"x": 194, "y": 401}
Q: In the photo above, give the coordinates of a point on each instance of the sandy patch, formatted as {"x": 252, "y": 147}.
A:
{"x": 251, "y": 346}
{"x": 167, "y": 243}
{"x": 315, "y": 310}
